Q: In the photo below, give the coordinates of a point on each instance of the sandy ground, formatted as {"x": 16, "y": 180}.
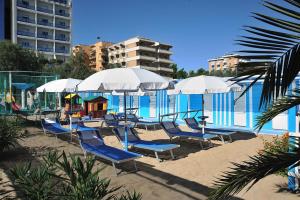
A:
{"x": 190, "y": 176}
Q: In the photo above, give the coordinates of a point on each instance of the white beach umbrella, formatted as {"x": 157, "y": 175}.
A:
{"x": 61, "y": 85}
{"x": 204, "y": 85}
{"x": 124, "y": 80}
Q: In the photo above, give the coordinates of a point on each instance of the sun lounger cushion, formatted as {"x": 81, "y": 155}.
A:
{"x": 175, "y": 131}
{"x": 134, "y": 140}
{"x": 109, "y": 117}
{"x": 220, "y": 131}
{"x": 53, "y": 126}
{"x": 93, "y": 143}
{"x": 131, "y": 137}
{"x": 193, "y": 124}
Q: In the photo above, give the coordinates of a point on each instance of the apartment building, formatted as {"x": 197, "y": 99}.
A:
{"x": 41, "y": 25}
{"x": 226, "y": 62}
{"x": 85, "y": 49}
{"x": 143, "y": 53}
{"x": 96, "y": 55}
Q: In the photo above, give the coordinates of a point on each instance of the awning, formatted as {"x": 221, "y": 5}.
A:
{"x": 22, "y": 86}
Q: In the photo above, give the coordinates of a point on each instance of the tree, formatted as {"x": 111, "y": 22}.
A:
{"x": 175, "y": 69}
{"x": 202, "y": 71}
{"x": 112, "y": 66}
{"x": 192, "y": 73}
{"x": 182, "y": 74}
{"x": 13, "y": 57}
{"x": 80, "y": 70}
{"x": 278, "y": 47}
{"x": 75, "y": 67}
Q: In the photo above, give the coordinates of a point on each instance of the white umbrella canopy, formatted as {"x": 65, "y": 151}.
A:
{"x": 123, "y": 80}
{"x": 138, "y": 93}
{"x": 203, "y": 85}
{"x": 61, "y": 85}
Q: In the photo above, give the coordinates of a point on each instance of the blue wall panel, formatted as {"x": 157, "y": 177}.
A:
{"x": 227, "y": 110}
{"x": 183, "y": 104}
{"x": 145, "y": 106}
{"x": 196, "y": 104}
{"x": 214, "y": 108}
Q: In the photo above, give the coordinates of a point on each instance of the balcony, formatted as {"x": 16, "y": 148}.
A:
{"x": 44, "y": 23}
{"x": 163, "y": 60}
{"x": 45, "y": 10}
{"x": 26, "y": 33}
{"x": 45, "y": 36}
{"x": 62, "y": 38}
{"x": 64, "y": 14}
{"x": 28, "y": 46}
{"x": 24, "y": 4}
{"x": 64, "y": 26}
{"x": 26, "y": 19}
{"x": 44, "y": 49}
{"x": 65, "y": 51}
{"x": 60, "y": 1}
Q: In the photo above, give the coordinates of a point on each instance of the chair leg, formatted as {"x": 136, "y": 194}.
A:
{"x": 210, "y": 144}
{"x": 172, "y": 155}
{"x": 114, "y": 166}
{"x": 222, "y": 138}
{"x": 230, "y": 138}
{"x": 135, "y": 166}
{"x": 201, "y": 145}
{"x": 157, "y": 157}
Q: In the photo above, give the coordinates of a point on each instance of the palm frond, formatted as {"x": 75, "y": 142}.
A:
{"x": 282, "y": 10}
{"x": 281, "y": 105}
{"x": 278, "y": 46}
{"x": 250, "y": 172}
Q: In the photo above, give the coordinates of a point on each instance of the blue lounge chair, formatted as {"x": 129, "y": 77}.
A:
{"x": 221, "y": 133}
{"x": 79, "y": 126}
{"x": 139, "y": 122}
{"x": 91, "y": 142}
{"x": 54, "y": 127}
{"x": 172, "y": 130}
{"x": 135, "y": 141}
{"x": 110, "y": 120}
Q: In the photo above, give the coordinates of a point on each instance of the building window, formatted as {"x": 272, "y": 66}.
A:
{"x": 26, "y": 3}
{"x": 60, "y": 11}
{"x": 25, "y": 44}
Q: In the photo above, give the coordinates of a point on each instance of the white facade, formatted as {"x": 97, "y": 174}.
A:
{"x": 43, "y": 26}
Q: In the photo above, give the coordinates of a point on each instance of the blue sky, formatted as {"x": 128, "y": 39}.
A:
{"x": 198, "y": 29}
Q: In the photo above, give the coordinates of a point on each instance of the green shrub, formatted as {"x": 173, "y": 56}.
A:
{"x": 276, "y": 145}
{"x": 10, "y": 132}
{"x": 67, "y": 179}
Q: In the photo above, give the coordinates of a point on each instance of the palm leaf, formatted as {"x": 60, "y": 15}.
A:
{"x": 280, "y": 48}
{"x": 281, "y": 105}
{"x": 294, "y": 2}
{"x": 250, "y": 172}
{"x": 282, "y": 10}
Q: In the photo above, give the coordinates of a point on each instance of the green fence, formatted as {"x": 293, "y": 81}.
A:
{"x": 18, "y": 91}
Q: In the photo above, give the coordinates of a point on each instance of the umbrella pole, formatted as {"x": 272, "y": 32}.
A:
{"x": 126, "y": 133}
{"x": 203, "y": 119}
